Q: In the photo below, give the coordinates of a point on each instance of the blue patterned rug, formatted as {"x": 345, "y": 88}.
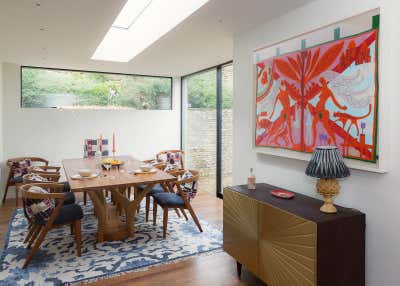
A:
{"x": 56, "y": 262}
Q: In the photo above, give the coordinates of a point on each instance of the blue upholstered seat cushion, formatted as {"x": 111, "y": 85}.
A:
{"x": 156, "y": 189}
{"x": 68, "y": 214}
{"x": 69, "y": 198}
{"x": 17, "y": 180}
{"x": 168, "y": 200}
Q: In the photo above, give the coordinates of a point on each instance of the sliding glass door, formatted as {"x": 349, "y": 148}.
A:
{"x": 207, "y": 126}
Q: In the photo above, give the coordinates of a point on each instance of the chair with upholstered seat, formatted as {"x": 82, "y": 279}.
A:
{"x": 17, "y": 167}
{"x": 186, "y": 189}
{"x": 50, "y": 177}
{"x": 44, "y": 214}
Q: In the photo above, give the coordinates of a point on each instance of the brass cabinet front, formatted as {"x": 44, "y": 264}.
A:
{"x": 241, "y": 229}
{"x": 287, "y": 248}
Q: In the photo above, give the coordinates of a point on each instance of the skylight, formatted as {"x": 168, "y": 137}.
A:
{"x": 139, "y": 24}
{"x": 130, "y": 13}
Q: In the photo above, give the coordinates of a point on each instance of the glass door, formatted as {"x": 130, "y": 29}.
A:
{"x": 199, "y": 118}
{"x": 207, "y": 126}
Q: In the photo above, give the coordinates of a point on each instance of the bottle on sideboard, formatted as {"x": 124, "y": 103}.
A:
{"x": 251, "y": 181}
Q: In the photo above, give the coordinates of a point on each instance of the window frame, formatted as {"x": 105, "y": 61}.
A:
{"x": 98, "y": 72}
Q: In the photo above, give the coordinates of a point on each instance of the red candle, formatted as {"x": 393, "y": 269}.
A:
{"x": 113, "y": 148}
{"x": 101, "y": 143}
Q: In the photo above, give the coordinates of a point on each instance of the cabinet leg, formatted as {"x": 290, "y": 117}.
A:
{"x": 239, "y": 268}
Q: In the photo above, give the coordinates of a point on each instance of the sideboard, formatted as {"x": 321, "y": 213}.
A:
{"x": 289, "y": 242}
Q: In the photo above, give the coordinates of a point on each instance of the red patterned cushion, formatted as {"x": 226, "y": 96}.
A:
{"x": 20, "y": 168}
{"x": 39, "y": 209}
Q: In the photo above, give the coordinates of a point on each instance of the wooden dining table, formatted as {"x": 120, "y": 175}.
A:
{"x": 112, "y": 225}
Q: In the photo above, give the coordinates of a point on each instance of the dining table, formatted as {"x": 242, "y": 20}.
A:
{"x": 112, "y": 225}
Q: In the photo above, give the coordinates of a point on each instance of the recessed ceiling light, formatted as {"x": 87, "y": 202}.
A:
{"x": 37, "y": 4}
{"x": 42, "y": 29}
{"x": 139, "y": 24}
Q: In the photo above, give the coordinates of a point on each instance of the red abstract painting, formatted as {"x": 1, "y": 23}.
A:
{"x": 324, "y": 95}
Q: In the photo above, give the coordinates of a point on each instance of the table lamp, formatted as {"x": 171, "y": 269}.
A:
{"x": 327, "y": 165}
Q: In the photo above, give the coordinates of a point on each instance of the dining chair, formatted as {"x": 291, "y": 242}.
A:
{"x": 174, "y": 157}
{"x": 50, "y": 177}
{"x": 17, "y": 167}
{"x": 186, "y": 190}
{"x": 44, "y": 213}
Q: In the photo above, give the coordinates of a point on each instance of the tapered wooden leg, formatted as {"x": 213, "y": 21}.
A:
{"x": 147, "y": 208}
{"x": 129, "y": 193}
{"x": 135, "y": 193}
{"x": 16, "y": 196}
{"x": 184, "y": 213}
{"x": 84, "y": 198}
{"x": 177, "y": 212}
{"x": 34, "y": 235}
{"x": 154, "y": 213}
{"x": 78, "y": 237}
{"x": 196, "y": 220}
{"x": 36, "y": 246}
{"x": 5, "y": 192}
{"x": 71, "y": 226}
{"x": 238, "y": 268}
{"x": 165, "y": 222}
{"x": 30, "y": 232}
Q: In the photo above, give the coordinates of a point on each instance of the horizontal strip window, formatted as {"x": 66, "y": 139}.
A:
{"x": 59, "y": 88}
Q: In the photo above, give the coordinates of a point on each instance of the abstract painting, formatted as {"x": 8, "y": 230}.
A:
{"x": 323, "y": 95}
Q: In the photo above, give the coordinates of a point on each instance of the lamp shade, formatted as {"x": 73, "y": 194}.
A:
{"x": 327, "y": 163}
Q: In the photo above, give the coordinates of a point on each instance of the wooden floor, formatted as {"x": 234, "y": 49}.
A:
{"x": 213, "y": 270}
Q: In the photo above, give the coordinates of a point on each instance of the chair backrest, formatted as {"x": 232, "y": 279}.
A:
{"x": 55, "y": 192}
{"x": 175, "y": 154}
{"x": 92, "y": 146}
{"x": 31, "y": 178}
{"x": 10, "y": 163}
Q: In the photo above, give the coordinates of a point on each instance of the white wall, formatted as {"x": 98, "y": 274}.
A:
{"x": 378, "y": 195}
{"x": 55, "y": 134}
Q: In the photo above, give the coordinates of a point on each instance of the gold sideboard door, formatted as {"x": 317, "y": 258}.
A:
{"x": 241, "y": 229}
{"x": 288, "y": 248}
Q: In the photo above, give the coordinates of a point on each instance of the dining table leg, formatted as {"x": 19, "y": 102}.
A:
{"x": 99, "y": 202}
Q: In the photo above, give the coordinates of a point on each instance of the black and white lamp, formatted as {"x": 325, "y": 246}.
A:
{"x": 327, "y": 165}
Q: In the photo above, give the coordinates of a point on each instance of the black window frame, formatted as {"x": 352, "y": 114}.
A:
{"x": 98, "y": 72}
{"x": 218, "y": 69}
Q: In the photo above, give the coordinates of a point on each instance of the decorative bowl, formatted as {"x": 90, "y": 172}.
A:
{"x": 84, "y": 173}
{"x": 146, "y": 167}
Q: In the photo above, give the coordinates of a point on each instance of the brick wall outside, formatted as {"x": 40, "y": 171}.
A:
{"x": 201, "y": 145}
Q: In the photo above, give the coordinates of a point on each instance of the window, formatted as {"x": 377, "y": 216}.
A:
{"x": 52, "y": 88}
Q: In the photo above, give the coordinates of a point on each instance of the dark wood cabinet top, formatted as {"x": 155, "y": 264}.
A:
{"x": 301, "y": 205}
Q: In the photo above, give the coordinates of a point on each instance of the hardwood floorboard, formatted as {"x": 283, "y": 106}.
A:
{"x": 218, "y": 269}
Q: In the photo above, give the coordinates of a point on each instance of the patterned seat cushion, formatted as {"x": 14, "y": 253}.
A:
{"x": 168, "y": 200}
{"x": 68, "y": 214}
{"x": 40, "y": 209}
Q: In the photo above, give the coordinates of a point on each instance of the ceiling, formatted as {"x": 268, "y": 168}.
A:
{"x": 65, "y": 33}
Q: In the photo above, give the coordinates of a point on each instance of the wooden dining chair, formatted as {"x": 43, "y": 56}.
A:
{"x": 16, "y": 171}
{"x": 56, "y": 215}
{"x": 174, "y": 157}
{"x": 50, "y": 177}
{"x": 186, "y": 190}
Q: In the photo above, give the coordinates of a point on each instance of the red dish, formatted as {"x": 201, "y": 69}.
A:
{"x": 282, "y": 194}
